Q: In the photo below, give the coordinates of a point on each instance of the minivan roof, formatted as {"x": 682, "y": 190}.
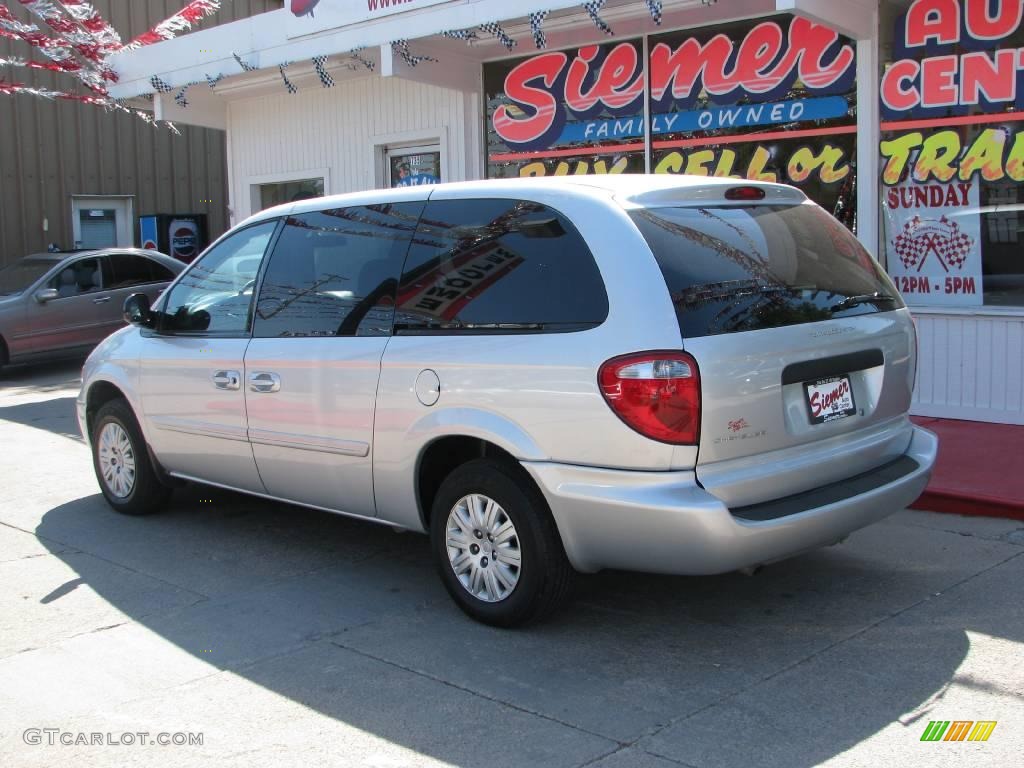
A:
{"x": 629, "y": 189}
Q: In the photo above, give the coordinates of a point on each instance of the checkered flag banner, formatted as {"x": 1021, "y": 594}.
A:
{"x": 654, "y": 6}
{"x": 592, "y": 8}
{"x": 287, "y": 83}
{"x": 319, "y": 64}
{"x": 401, "y": 47}
{"x": 212, "y": 81}
{"x": 921, "y": 237}
{"x": 244, "y": 64}
{"x": 355, "y": 55}
{"x": 159, "y": 85}
{"x": 495, "y": 29}
{"x": 179, "y": 97}
{"x": 536, "y": 20}
{"x": 465, "y": 35}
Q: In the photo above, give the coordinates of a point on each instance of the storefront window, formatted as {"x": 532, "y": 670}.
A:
{"x": 414, "y": 166}
{"x": 566, "y": 112}
{"x": 290, "y": 191}
{"x": 952, "y": 151}
{"x": 771, "y": 99}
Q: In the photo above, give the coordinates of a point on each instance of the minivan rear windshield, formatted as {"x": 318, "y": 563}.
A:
{"x": 744, "y": 268}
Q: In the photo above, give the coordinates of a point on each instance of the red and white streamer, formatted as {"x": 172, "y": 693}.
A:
{"x": 93, "y": 23}
{"x": 50, "y": 66}
{"x": 80, "y": 45}
{"x": 56, "y": 49}
{"x": 9, "y": 88}
{"x": 182, "y": 21}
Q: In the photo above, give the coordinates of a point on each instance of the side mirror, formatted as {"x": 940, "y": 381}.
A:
{"x": 44, "y": 295}
{"x": 137, "y": 311}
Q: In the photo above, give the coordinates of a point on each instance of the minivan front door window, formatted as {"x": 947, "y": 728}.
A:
{"x": 215, "y": 295}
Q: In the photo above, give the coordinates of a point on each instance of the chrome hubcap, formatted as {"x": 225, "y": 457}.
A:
{"x": 117, "y": 460}
{"x": 483, "y": 548}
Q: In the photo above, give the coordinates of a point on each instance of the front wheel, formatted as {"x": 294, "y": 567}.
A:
{"x": 123, "y": 469}
{"x": 496, "y": 546}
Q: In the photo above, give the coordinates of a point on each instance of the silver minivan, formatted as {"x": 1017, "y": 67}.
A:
{"x": 671, "y": 374}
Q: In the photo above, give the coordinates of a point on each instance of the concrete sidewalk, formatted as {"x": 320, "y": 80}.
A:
{"x": 290, "y": 637}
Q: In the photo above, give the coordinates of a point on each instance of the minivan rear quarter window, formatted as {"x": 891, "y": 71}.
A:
{"x": 744, "y": 268}
{"x": 501, "y": 266}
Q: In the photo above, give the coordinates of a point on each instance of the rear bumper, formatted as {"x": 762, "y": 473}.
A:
{"x": 664, "y": 522}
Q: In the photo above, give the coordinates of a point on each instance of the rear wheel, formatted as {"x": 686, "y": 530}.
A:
{"x": 125, "y": 474}
{"x": 496, "y": 546}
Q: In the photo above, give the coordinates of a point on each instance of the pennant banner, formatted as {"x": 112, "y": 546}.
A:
{"x": 244, "y": 64}
{"x": 354, "y": 54}
{"x": 654, "y": 6}
{"x": 592, "y": 8}
{"x": 465, "y": 35}
{"x": 495, "y": 29}
{"x": 292, "y": 89}
{"x": 320, "y": 65}
{"x": 536, "y": 20}
{"x": 401, "y": 48}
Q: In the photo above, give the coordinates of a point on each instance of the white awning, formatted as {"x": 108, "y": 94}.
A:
{"x": 268, "y": 40}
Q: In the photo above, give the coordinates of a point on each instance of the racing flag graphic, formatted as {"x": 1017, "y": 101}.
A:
{"x": 922, "y": 237}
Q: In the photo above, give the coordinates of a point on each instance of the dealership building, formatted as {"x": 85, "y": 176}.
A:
{"x": 900, "y": 117}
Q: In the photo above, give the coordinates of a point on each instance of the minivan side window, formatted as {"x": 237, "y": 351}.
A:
{"x": 335, "y": 272}
{"x": 215, "y": 295}
{"x": 498, "y": 266}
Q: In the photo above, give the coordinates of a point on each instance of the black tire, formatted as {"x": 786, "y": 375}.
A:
{"x": 147, "y": 494}
{"x": 544, "y": 576}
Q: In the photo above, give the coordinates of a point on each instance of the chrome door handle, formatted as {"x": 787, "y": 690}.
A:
{"x": 101, "y": 300}
{"x": 227, "y": 380}
{"x": 264, "y": 382}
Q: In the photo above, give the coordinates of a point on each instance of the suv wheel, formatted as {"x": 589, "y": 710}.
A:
{"x": 122, "y": 465}
{"x": 496, "y": 546}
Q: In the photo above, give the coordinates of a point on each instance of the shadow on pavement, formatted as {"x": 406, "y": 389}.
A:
{"x": 42, "y": 377}
{"x": 349, "y": 619}
{"x": 56, "y": 415}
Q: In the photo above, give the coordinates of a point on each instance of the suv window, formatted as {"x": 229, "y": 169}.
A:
{"x": 335, "y": 272}
{"x": 498, "y": 266}
{"x": 78, "y": 277}
{"x": 215, "y": 295}
{"x": 736, "y": 268}
{"x": 129, "y": 269}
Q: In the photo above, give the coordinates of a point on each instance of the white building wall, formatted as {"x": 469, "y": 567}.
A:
{"x": 970, "y": 367}
{"x": 333, "y": 132}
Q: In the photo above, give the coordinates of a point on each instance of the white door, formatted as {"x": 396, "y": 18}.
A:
{"x": 102, "y": 222}
{"x": 190, "y": 366}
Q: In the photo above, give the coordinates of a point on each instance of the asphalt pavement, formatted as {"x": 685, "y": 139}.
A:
{"x": 281, "y": 636}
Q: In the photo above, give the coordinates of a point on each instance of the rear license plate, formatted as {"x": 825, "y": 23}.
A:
{"x": 829, "y": 399}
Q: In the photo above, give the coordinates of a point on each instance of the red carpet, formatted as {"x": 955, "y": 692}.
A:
{"x": 980, "y": 469}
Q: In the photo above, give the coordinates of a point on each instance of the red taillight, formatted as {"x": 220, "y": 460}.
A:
{"x": 655, "y": 393}
{"x": 744, "y": 193}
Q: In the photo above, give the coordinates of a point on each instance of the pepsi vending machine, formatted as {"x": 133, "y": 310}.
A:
{"x": 182, "y": 236}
